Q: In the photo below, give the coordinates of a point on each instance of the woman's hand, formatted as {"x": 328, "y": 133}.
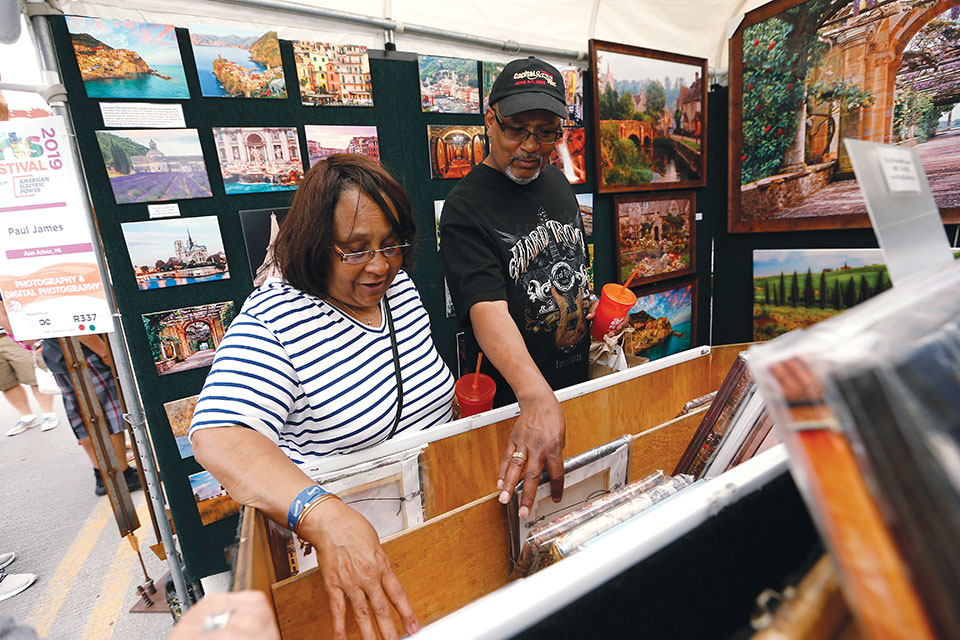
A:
{"x": 250, "y": 618}
{"x": 355, "y": 568}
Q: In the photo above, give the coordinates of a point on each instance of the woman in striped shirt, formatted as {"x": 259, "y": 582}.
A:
{"x": 335, "y": 355}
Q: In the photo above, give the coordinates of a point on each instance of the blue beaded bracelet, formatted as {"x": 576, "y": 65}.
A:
{"x": 309, "y": 495}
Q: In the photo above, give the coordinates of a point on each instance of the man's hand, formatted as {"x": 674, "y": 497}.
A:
{"x": 537, "y": 440}
{"x": 355, "y": 568}
{"x": 250, "y": 618}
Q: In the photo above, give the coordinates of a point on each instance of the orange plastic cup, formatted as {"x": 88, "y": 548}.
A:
{"x": 477, "y": 399}
{"x": 615, "y": 302}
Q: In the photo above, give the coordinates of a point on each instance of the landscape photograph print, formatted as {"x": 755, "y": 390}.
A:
{"x": 179, "y": 414}
{"x": 663, "y": 321}
{"x": 806, "y": 75}
{"x": 174, "y": 252}
{"x": 213, "y": 501}
{"x": 333, "y": 75}
{"x": 186, "y": 338}
{"x": 649, "y": 118}
{"x": 233, "y": 62}
{"x": 324, "y": 140}
{"x": 124, "y": 59}
{"x": 449, "y": 85}
{"x": 655, "y": 236}
{"x": 154, "y": 165}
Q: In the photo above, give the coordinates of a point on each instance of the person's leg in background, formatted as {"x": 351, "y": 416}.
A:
{"x": 17, "y": 368}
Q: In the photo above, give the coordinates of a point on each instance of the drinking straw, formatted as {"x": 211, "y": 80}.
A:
{"x": 627, "y": 283}
{"x": 476, "y": 376}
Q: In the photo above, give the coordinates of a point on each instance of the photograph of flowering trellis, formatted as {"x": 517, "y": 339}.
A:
{"x": 806, "y": 75}
{"x": 655, "y": 235}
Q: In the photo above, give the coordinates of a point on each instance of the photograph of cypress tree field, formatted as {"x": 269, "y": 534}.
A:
{"x": 796, "y": 288}
{"x": 806, "y": 75}
{"x": 649, "y": 114}
{"x": 233, "y": 62}
{"x": 154, "y": 165}
{"x": 124, "y": 59}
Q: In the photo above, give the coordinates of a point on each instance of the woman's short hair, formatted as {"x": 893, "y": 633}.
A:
{"x": 303, "y": 243}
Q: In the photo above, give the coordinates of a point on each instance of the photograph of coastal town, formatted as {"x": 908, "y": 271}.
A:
{"x": 213, "y": 501}
{"x": 179, "y": 414}
{"x": 154, "y": 165}
{"x": 174, "y": 252}
{"x": 124, "y": 59}
{"x": 449, "y": 85}
{"x": 662, "y": 321}
{"x": 327, "y": 139}
{"x": 258, "y": 159}
{"x": 650, "y": 117}
{"x": 455, "y": 149}
{"x": 186, "y": 338}
{"x": 333, "y": 75}
{"x": 237, "y": 63}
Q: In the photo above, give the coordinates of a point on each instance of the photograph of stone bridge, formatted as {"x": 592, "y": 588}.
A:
{"x": 650, "y": 118}
{"x": 186, "y": 338}
{"x": 824, "y": 70}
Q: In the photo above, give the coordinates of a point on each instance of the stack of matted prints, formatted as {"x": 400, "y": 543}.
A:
{"x": 868, "y": 405}
{"x": 736, "y": 427}
{"x": 551, "y": 542}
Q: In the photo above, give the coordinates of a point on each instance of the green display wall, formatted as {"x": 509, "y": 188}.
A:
{"x": 404, "y": 151}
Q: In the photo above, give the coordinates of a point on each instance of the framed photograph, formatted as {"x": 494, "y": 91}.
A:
{"x": 124, "y": 59}
{"x": 569, "y": 155}
{"x": 258, "y": 159}
{"x": 333, "y": 75}
{"x": 657, "y": 233}
{"x": 437, "y": 212}
{"x": 186, "y": 338}
{"x": 175, "y": 251}
{"x": 213, "y": 501}
{"x": 260, "y": 228}
{"x": 805, "y": 75}
{"x": 179, "y": 414}
{"x": 585, "y": 201}
{"x": 573, "y": 82}
{"x": 327, "y": 139}
{"x": 154, "y": 165}
{"x": 664, "y": 320}
{"x": 490, "y": 71}
{"x": 797, "y": 288}
{"x": 455, "y": 149}
{"x": 649, "y": 118}
{"x": 449, "y": 85}
{"x": 233, "y": 62}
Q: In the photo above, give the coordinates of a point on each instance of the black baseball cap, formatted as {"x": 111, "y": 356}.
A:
{"x": 527, "y": 84}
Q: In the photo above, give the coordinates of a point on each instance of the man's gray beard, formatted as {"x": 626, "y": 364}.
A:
{"x": 509, "y": 172}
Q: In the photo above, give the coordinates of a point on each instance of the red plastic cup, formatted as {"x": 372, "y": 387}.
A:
{"x": 615, "y": 302}
{"x": 477, "y": 399}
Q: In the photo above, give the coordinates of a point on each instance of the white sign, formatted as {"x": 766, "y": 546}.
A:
{"x": 142, "y": 114}
{"x": 49, "y": 277}
{"x": 898, "y": 170}
{"x": 171, "y": 210}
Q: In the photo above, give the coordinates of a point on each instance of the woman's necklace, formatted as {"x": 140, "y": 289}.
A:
{"x": 343, "y": 308}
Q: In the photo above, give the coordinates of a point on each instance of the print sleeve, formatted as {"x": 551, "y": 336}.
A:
{"x": 251, "y": 383}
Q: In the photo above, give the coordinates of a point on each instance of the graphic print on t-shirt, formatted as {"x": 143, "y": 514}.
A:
{"x": 548, "y": 264}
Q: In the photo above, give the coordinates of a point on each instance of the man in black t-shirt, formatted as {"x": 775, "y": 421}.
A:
{"x": 513, "y": 252}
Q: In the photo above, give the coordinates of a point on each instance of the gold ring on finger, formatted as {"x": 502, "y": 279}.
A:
{"x": 520, "y": 455}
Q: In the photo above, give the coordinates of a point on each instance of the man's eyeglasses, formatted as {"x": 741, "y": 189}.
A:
{"x": 518, "y": 134}
{"x": 361, "y": 257}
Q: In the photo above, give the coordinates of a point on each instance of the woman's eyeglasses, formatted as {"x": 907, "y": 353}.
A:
{"x": 518, "y": 134}
{"x": 360, "y": 257}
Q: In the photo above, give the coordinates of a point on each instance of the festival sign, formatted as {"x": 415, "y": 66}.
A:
{"x": 49, "y": 278}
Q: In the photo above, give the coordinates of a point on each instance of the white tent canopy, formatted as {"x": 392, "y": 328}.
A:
{"x": 691, "y": 27}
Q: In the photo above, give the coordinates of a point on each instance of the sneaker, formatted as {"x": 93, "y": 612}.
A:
{"x": 22, "y": 425}
{"x": 13, "y": 583}
{"x": 6, "y": 558}
{"x": 49, "y": 422}
{"x": 99, "y": 489}
{"x": 133, "y": 479}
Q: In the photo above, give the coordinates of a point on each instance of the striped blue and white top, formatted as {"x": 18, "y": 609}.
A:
{"x": 315, "y": 381}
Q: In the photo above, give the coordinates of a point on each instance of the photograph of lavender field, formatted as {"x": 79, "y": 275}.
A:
{"x": 154, "y": 165}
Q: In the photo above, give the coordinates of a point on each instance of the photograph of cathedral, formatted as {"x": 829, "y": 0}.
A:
{"x": 174, "y": 252}
{"x": 154, "y": 165}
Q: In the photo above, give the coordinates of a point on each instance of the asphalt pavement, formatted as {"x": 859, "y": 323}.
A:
{"x": 87, "y": 575}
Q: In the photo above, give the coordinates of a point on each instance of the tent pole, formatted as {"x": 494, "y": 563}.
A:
{"x": 134, "y": 415}
{"x": 396, "y": 26}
